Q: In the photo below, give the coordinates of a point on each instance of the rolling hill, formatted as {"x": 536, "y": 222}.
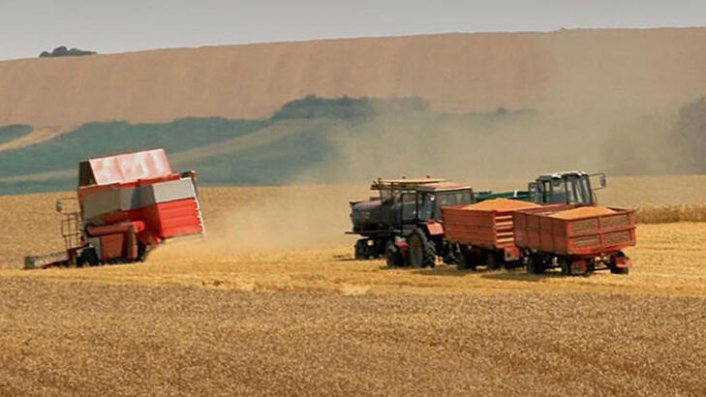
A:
{"x": 490, "y": 105}
{"x": 565, "y": 70}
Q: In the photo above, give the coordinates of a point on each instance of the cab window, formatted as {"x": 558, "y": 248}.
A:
{"x": 559, "y": 194}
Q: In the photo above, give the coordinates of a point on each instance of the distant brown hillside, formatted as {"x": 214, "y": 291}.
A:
{"x": 565, "y": 70}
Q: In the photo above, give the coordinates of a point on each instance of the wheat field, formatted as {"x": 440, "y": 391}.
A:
{"x": 271, "y": 302}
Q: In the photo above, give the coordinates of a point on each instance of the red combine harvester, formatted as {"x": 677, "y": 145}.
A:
{"x": 127, "y": 204}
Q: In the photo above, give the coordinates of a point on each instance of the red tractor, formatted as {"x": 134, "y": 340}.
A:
{"x": 403, "y": 223}
{"x": 126, "y": 205}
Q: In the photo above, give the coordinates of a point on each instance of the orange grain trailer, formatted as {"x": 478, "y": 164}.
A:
{"x": 577, "y": 239}
{"x": 484, "y": 232}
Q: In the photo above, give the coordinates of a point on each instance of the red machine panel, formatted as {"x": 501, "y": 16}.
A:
{"x": 129, "y": 167}
{"x": 174, "y": 218}
{"x": 112, "y": 246}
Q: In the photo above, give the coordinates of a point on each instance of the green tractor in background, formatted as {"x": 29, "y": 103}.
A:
{"x": 568, "y": 187}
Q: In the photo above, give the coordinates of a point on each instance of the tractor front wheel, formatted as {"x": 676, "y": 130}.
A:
{"x": 393, "y": 256}
{"x": 422, "y": 252}
{"x": 361, "y": 249}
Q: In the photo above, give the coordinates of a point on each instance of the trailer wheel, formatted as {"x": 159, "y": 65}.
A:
{"x": 422, "y": 252}
{"x": 565, "y": 265}
{"x": 567, "y": 268}
{"x": 490, "y": 259}
{"x": 535, "y": 264}
{"x": 466, "y": 260}
{"x": 614, "y": 269}
{"x": 620, "y": 270}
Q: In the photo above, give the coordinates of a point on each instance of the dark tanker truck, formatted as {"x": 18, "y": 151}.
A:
{"x": 402, "y": 222}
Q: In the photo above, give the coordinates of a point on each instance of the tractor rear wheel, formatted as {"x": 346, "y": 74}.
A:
{"x": 422, "y": 252}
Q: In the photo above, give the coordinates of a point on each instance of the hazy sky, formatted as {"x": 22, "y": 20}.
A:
{"x": 28, "y": 27}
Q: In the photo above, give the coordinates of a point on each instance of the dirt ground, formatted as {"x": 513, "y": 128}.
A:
{"x": 240, "y": 312}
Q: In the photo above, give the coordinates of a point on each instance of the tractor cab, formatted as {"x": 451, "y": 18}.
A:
{"x": 429, "y": 198}
{"x": 572, "y": 187}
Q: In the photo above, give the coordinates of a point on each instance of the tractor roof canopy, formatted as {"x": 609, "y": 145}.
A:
{"x": 442, "y": 187}
{"x": 124, "y": 167}
{"x": 421, "y": 184}
{"x": 402, "y": 183}
{"x": 560, "y": 175}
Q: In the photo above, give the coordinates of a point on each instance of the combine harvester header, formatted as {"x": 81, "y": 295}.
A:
{"x": 127, "y": 205}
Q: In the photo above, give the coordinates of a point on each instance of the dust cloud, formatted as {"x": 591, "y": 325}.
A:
{"x": 264, "y": 219}
{"x": 499, "y": 146}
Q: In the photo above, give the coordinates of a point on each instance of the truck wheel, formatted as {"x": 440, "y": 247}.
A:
{"x": 393, "y": 256}
{"x": 361, "y": 249}
{"x": 535, "y": 265}
{"x": 422, "y": 252}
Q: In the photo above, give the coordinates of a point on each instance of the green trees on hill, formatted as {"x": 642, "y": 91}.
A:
{"x": 310, "y": 133}
{"x": 345, "y": 107}
{"x": 62, "y": 51}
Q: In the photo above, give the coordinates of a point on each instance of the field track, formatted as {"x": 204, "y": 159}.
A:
{"x": 257, "y": 308}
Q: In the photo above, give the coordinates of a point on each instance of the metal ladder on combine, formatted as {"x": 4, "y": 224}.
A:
{"x": 70, "y": 233}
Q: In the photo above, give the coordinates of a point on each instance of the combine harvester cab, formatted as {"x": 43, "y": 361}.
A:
{"x": 128, "y": 204}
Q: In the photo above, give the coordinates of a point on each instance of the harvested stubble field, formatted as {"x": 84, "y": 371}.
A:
{"x": 272, "y": 303}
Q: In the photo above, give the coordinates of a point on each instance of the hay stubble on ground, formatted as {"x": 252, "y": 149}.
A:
{"x": 132, "y": 340}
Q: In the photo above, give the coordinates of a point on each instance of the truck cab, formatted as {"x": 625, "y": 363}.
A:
{"x": 569, "y": 187}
